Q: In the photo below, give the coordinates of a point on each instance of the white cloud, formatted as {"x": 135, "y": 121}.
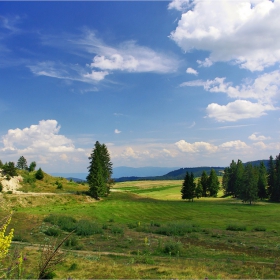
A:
{"x": 195, "y": 147}
{"x": 191, "y": 71}
{"x": 205, "y": 63}
{"x": 237, "y": 145}
{"x": 255, "y": 137}
{"x": 264, "y": 89}
{"x": 237, "y": 110}
{"x": 246, "y": 32}
{"x": 131, "y": 57}
{"x": 117, "y": 131}
{"x": 42, "y": 139}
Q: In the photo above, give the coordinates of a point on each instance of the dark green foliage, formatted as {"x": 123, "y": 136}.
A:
{"x": 22, "y": 163}
{"x": 71, "y": 242}
{"x": 73, "y": 266}
{"x": 100, "y": 172}
{"x": 9, "y": 169}
{"x": 198, "y": 189}
{"x": 204, "y": 183}
{"x": 176, "y": 229}
{"x": 39, "y": 175}
{"x": 1, "y": 187}
{"x": 259, "y": 228}
{"x": 235, "y": 227}
{"x": 66, "y": 223}
{"x": 117, "y": 230}
{"x": 32, "y": 166}
{"x": 29, "y": 178}
{"x": 173, "y": 248}
{"x": 274, "y": 179}
{"x": 1, "y": 163}
{"x": 262, "y": 181}
{"x": 213, "y": 183}
{"x": 249, "y": 189}
{"x": 188, "y": 188}
{"x": 52, "y": 232}
{"x": 59, "y": 185}
{"x": 85, "y": 228}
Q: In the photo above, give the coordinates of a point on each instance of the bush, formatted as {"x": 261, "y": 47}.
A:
{"x": 236, "y": 227}
{"x": 176, "y": 229}
{"x": 173, "y": 248}
{"x": 1, "y": 187}
{"x": 70, "y": 242}
{"x": 85, "y": 227}
{"x": 259, "y": 228}
{"x": 59, "y": 185}
{"x": 66, "y": 223}
{"x": 39, "y": 175}
{"x": 52, "y": 232}
{"x": 117, "y": 230}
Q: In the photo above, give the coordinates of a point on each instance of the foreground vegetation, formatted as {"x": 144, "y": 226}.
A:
{"x": 145, "y": 230}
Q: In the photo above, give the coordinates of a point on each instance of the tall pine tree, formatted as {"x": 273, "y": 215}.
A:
{"x": 188, "y": 187}
{"x": 100, "y": 171}
{"x": 213, "y": 183}
{"x": 262, "y": 181}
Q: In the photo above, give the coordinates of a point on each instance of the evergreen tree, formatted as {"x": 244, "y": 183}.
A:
{"x": 10, "y": 169}
{"x": 32, "y": 166}
{"x": 204, "y": 183}
{"x": 213, "y": 183}
{"x": 262, "y": 182}
{"x": 188, "y": 187}
{"x": 249, "y": 190}
{"x": 22, "y": 163}
{"x": 225, "y": 181}
{"x": 238, "y": 184}
{"x": 100, "y": 171}
{"x": 275, "y": 194}
{"x": 39, "y": 175}
{"x": 198, "y": 189}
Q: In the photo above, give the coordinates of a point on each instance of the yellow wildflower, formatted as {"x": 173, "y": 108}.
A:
{"x": 5, "y": 240}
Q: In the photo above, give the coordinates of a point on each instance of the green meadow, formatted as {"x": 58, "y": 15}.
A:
{"x": 145, "y": 230}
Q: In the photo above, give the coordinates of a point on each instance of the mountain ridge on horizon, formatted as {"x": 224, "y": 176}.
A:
{"x": 151, "y": 172}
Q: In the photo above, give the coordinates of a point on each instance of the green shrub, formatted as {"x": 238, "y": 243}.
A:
{"x": 52, "y": 232}
{"x": 234, "y": 227}
{"x": 73, "y": 266}
{"x": 176, "y": 229}
{"x": 172, "y": 248}
{"x": 29, "y": 179}
{"x": 85, "y": 227}
{"x": 39, "y": 175}
{"x": 259, "y": 228}
{"x": 72, "y": 241}
{"x": 66, "y": 223}
{"x": 1, "y": 187}
{"x": 117, "y": 230}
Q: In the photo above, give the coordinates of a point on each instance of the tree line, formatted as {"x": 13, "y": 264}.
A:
{"x": 205, "y": 186}
{"x": 251, "y": 183}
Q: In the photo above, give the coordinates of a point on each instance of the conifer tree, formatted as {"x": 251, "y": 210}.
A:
{"x": 262, "y": 181}
{"x": 22, "y": 163}
{"x": 204, "y": 183}
{"x": 199, "y": 189}
{"x": 249, "y": 190}
{"x": 213, "y": 183}
{"x": 100, "y": 171}
{"x": 188, "y": 187}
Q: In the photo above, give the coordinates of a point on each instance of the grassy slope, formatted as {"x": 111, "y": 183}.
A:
{"x": 158, "y": 201}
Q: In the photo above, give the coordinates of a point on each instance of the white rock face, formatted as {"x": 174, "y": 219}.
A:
{"x": 10, "y": 185}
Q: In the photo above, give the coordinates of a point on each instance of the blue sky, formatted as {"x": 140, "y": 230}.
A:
{"x": 182, "y": 83}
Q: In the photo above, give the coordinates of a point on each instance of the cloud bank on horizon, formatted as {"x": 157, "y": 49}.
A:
{"x": 194, "y": 83}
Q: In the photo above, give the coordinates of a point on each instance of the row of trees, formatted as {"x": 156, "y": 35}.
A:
{"x": 205, "y": 186}
{"x": 251, "y": 183}
{"x": 10, "y": 169}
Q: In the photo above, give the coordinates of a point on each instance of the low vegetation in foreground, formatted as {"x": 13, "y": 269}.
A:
{"x": 145, "y": 230}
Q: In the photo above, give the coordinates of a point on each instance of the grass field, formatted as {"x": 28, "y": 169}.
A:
{"x": 144, "y": 230}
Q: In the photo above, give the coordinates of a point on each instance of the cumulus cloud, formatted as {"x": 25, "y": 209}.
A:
{"x": 264, "y": 89}
{"x": 208, "y": 148}
{"x": 255, "y": 137}
{"x": 40, "y": 139}
{"x": 246, "y": 32}
{"x": 117, "y": 131}
{"x": 237, "y": 110}
{"x": 191, "y": 71}
{"x": 195, "y": 147}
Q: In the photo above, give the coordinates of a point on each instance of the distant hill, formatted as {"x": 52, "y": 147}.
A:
{"x": 123, "y": 173}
